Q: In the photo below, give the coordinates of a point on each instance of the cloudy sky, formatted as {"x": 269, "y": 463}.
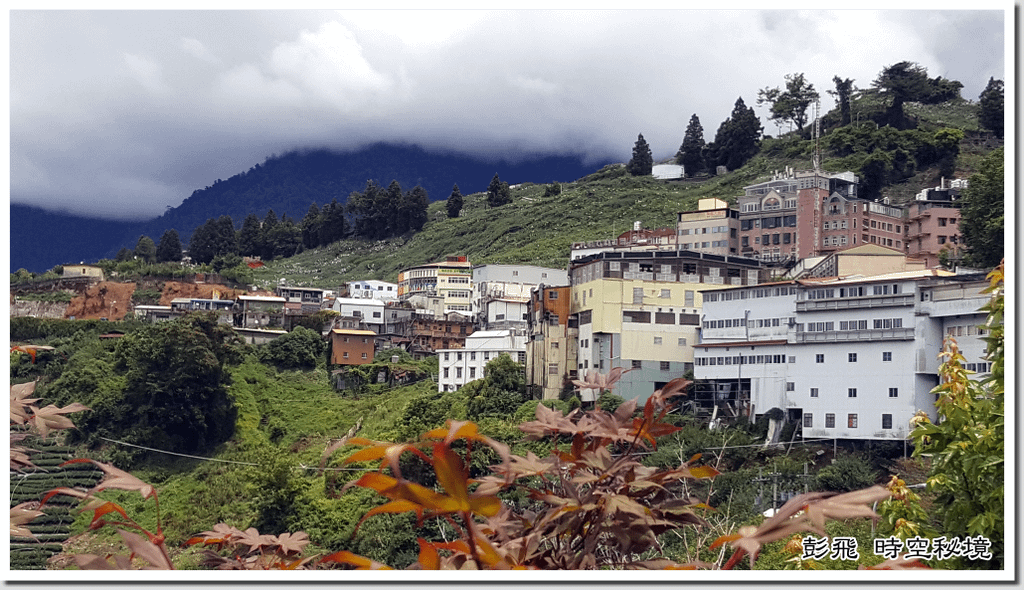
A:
{"x": 124, "y": 113}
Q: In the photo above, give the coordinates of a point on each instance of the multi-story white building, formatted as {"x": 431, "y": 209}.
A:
{"x": 370, "y": 311}
{"x": 459, "y": 366}
{"x": 372, "y": 289}
{"x": 845, "y": 358}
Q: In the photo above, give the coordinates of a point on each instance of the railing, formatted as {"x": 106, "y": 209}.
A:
{"x": 855, "y": 335}
{"x": 855, "y": 302}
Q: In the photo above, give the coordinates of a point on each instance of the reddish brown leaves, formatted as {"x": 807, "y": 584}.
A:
{"x": 248, "y": 549}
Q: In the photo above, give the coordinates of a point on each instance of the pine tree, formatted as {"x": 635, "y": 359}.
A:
{"x": 416, "y": 203}
{"x": 738, "y": 138}
{"x": 311, "y": 225}
{"x": 691, "y": 153}
{"x": 145, "y": 249}
{"x": 334, "y": 226}
{"x": 982, "y": 213}
{"x": 990, "y": 114}
{"x": 250, "y": 236}
{"x": 169, "y": 248}
{"x": 843, "y": 94}
{"x": 454, "y": 202}
{"x": 267, "y": 228}
{"x": 790, "y": 104}
{"x": 642, "y": 162}
{"x": 394, "y": 218}
{"x": 498, "y": 192}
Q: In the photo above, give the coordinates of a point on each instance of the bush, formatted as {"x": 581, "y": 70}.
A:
{"x": 299, "y": 349}
{"x": 846, "y": 474}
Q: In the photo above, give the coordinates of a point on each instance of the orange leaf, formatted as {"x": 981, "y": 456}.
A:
{"x": 451, "y": 474}
{"x": 358, "y": 561}
{"x": 704, "y": 471}
{"x": 725, "y": 539}
{"x": 429, "y": 559}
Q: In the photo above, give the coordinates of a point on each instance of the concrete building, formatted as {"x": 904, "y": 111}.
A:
{"x": 713, "y": 228}
{"x": 502, "y": 292}
{"x": 352, "y": 347}
{"x": 552, "y": 336}
{"x": 933, "y": 223}
{"x": 452, "y": 280}
{"x": 82, "y": 270}
{"x": 641, "y": 310}
{"x": 460, "y": 366}
{"x": 852, "y": 357}
{"x": 372, "y": 289}
{"x": 429, "y": 333}
{"x": 224, "y": 308}
{"x": 369, "y": 311}
{"x": 863, "y": 260}
{"x": 301, "y": 300}
{"x": 259, "y": 311}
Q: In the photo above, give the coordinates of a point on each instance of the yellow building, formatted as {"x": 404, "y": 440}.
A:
{"x": 642, "y": 312}
{"x": 452, "y": 280}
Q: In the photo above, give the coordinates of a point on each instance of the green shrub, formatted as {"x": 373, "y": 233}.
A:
{"x": 846, "y": 474}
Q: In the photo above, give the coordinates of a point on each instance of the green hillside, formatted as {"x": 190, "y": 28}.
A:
{"x": 538, "y": 229}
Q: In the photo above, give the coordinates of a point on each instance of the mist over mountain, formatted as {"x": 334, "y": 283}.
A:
{"x": 287, "y": 183}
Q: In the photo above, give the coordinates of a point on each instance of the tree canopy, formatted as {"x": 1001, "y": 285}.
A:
{"x": 990, "y": 103}
{"x": 454, "y": 203}
{"x": 498, "y": 192}
{"x": 909, "y": 82}
{"x": 981, "y": 215}
{"x": 145, "y": 249}
{"x": 738, "y": 138}
{"x": 169, "y": 248}
{"x": 843, "y": 94}
{"x": 790, "y": 104}
{"x": 691, "y": 153}
{"x": 642, "y": 162}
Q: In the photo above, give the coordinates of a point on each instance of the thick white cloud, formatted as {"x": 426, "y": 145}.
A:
{"x": 126, "y": 112}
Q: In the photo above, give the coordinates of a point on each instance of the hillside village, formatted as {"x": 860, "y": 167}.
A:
{"x": 845, "y": 287}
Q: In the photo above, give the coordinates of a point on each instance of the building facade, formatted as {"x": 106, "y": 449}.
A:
{"x": 843, "y": 358}
{"x": 933, "y": 223}
{"x": 460, "y": 366}
{"x": 452, "y": 280}
{"x": 352, "y": 347}
{"x": 713, "y": 228}
{"x": 552, "y": 337}
{"x": 640, "y": 311}
{"x": 502, "y": 293}
{"x": 371, "y": 289}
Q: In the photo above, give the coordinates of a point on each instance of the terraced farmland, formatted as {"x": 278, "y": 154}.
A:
{"x": 54, "y": 526}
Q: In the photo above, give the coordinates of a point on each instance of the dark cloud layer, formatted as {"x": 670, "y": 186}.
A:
{"x": 124, "y": 113}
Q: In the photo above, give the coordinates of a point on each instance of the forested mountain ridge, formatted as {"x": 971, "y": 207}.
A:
{"x": 287, "y": 184}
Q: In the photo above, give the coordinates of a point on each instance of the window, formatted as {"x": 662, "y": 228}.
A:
{"x": 852, "y": 357}
{"x": 554, "y": 345}
{"x": 664, "y": 365}
{"x": 446, "y": 372}
{"x": 808, "y": 420}
{"x": 552, "y": 368}
{"x": 552, "y": 294}
{"x": 682, "y": 342}
{"x": 886, "y": 421}
{"x": 364, "y": 355}
{"x": 472, "y": 372}
{"x": 446, "y": 356}
{"x": 666, "y": 293}
{"x": 458, "y": 372}
{"x": 344, "y": 355}
{"x": 819, "y": 358}
{"x": 790, "y": 386}
{"x": 814, "y": 392}
{"x": 458, "y": 356}
{"x": 638, "y": 295}
{"x": 792, "y": 359}
{"x": 657, "y": 339}
{"x": 851, "y": 392}
{"x": 851, "y": 420}
{"x": 894, "y": 392}
{"x": 637, "y": 364}
{"x": 830, "y": 420}
{"x": 886, "y": 357}
{"x": 472, "y": 356}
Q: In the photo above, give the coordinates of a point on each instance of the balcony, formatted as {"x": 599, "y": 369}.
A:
{"x": 855, "y": 335}
{"x": 868, "y": 302}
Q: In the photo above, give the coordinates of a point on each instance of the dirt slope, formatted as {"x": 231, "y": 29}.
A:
{"x": 102, "y": 300}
